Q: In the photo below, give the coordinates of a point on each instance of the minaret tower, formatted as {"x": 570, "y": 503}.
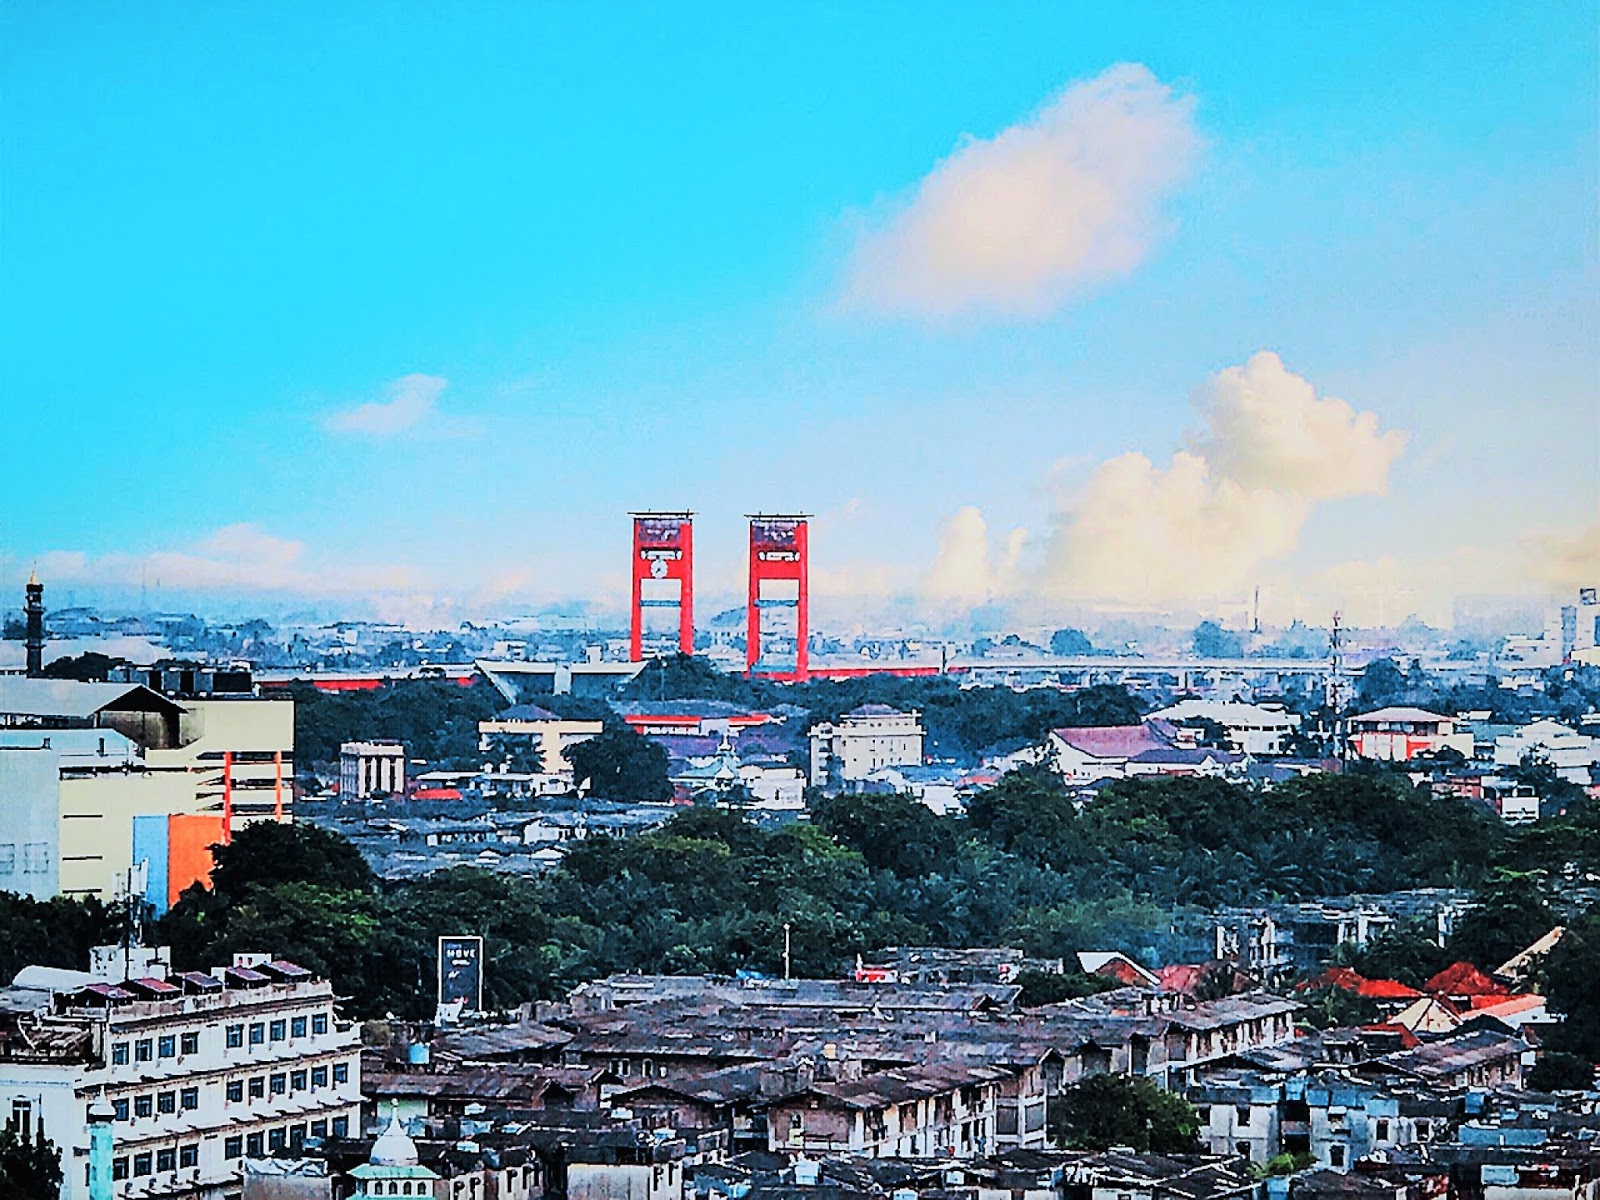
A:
{"x": 34, "y": 610}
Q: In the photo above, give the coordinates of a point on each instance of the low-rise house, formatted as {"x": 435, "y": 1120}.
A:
{"x": 1253, "y": 729}
{"x": 1572, "y": 755}
{"x": 939, "y": 1109}
{"x": 1400, "y": 734}
{"x": 1479, "y": 1059}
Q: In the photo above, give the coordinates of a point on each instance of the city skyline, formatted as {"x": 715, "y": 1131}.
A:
{"x": 1028, "y": 307}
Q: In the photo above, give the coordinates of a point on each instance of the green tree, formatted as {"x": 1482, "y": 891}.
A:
{"x": 1070, "y": 642}
{"x": 1048, "y": 987}
{"x": 521, "y": 754}
{"x": 1407, "y": 952}
{"x": 58, "y": 932}
{"x": 1558, "y": 1071}
{"x": 1507, "y": 915}
{"x": 270, "y": 854}
{"x": 1211, "y": 640}
{"x": 893, "y": 833}
{"x": 1123, "y": 1110}
{"x": 30, "y": 1167}
{"x": 1569, "y": 974}
{"x": 619, "y": 764}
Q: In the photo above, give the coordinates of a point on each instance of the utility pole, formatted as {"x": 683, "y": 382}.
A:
{"x": 786, "y": 960}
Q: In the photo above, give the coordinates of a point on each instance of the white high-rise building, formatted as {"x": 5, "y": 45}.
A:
{"x": 202, "y": 1071}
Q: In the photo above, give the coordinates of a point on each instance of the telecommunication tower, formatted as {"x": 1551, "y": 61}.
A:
{"x": 779, "y": 557}
{"x": 663, "y": 554}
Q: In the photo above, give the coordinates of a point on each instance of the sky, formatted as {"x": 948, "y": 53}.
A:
{"x": 1057, "y": 306}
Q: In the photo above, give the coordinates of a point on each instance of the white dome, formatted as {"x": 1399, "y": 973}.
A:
{"x": 394, "y": 1147}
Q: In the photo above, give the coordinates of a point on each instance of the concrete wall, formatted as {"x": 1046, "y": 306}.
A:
{"x": 30, "y": 852}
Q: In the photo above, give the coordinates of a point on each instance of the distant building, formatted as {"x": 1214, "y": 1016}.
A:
{"x": 540, "y": 731}
{"x": 368, "y": 769}
{"x": 1400, "y": 734}
{"x": 1570, "y": 754}
{"x": 1254, "y": 729}
{"x": 1091, "y": 753}
{"x": 202, "y": 1071}
{"x": 848, "y": 750}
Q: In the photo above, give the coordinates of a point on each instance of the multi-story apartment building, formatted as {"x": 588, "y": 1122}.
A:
{"x": 864, "y": 739}
{"x": 202, "y": 1071}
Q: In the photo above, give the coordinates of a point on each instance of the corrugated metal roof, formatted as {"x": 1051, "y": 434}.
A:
{"x": 71, "y": 699}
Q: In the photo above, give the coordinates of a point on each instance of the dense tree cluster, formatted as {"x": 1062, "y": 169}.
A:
{"x": 1103, "y": 1111}
{"x": 437, "y": 719}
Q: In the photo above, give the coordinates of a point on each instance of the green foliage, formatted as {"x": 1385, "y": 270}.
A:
{"x": 30, "y": 1167}
{"x": 521, "y": 754}
{"x": 892, "y": 833}
{"x": 1569, "y": 974}
{"x": 437, "y": 719}
{"x": 1046, "y": 987}
{"x": 1211, "y": 640}
{"x": 1558, "y": 1071}
{"x": 58, "y": 932}
{"x": 1123, "y": 1110}
{"x": 1332, "y": 1007}
{"x": 89, "y": 667}
{"x": 620, "y": 764}
{"x": 269, "y": 854}
{"x": 1283, "y": 1164}
{"x": 1406, "y": 952}
{"x": 1070, "y": 642}
{"x": 1507, "y": 916}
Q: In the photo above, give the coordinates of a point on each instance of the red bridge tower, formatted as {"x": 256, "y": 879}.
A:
{"x": 663, "y": 550}
{"x": 779, "y": 556}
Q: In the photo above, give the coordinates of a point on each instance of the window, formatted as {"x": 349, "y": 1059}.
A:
{"x": 143, "y": 1050}
{"x": 166, "y": 1160}
{"x": 279, "y": 1031}
{"x": 1336, "y": 1156}
{"x": 297, "y": 1136}
{"x": 1424, "y": 1130}
{"x": 167, "y": 1046}
{"x": 189, "y": 1156}
{"x": 319, "y": 1077}
{"x": 280, "y": 1084}
{"x": 143, "y": 1106}
{"x": 235, "y": 1091}
{"x": 341, "y": 1072}
{"x": 297, "y": 1027}
{"x": 319, "y": 1023}
{"x": 121, "y": 1107}
{"x": 1242, "y": 1149}
{"x": 1383, "y": 1131}
{"x": 22, "y": 1117}
{"x": 119, "y": 1054}
{"x": 189, "y": 1043}
{"x": 1241, "y": 1114}
{"x": 142, "y": 1163}
{"x": 276, "y": 1140}
{"x": 233, "y": 1147}
{"x": 36, "y": 858}
{"x": 258, "y": 1034}
{"x": 119, "y": 1167}
{"x": 319, "y": 1129}
{"x": 341, "y": 1126}
{"x": 297, "y": 1081}
{"x": 235, "y": 1036}
{"x": 167, "y": 1102}
{"x": 252, "y": 1146}
{"x": 189, "y": 1098}
{"x": 258, "y": 1087}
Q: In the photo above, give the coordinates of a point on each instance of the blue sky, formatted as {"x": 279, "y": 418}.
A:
{"x": 624, "y": 238}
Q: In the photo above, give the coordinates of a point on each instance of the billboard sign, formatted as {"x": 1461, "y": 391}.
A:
{"x": 461, "y": 972}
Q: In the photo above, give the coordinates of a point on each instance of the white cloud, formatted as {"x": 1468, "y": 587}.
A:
{"x": 1015, "y": 223}
{"x": 412, "y": 400}
{"x": 1265, "y": 427}
{"x": 236, "y": 557}
{"x": 963, "y": 572}
{"x": 1269, "y": 452}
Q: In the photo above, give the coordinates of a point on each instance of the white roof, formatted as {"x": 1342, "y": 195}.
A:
{"x": 1227, "y": 713}
{"x": 1400, "y": 712}
{"x": 21, "y": 696}
{"x": 52, "y": 979}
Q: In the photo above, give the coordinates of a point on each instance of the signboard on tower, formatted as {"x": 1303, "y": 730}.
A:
{"x": 461, "y": 973}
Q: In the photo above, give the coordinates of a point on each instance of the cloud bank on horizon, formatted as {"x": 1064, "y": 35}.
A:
{"x": 1017, "y": 223}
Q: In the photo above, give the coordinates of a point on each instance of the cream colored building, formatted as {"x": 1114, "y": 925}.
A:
{"x": 861, "y": 741}
{"x": 551, "y": 734}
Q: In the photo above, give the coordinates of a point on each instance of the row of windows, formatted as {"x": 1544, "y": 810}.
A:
{"x": 168, "y": 1045}
{"x": 256, "y": 1145}
{"x": 35, "y": 857}
{"x": 186, "y": 1099}
{"x": 285, "y": 1081}
{"x": 276, "y": 1031}
{"x": 158, "y": 1102}
{"x": 148, "y": 1162}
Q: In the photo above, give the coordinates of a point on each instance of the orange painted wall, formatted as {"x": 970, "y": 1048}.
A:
{"x": 190, "y": 837}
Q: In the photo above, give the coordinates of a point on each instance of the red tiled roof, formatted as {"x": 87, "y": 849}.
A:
{"x": 1357, "y": 984}
{"x": 1116, "y": 741}
{"x": 1464, "y": 979}
{"x": 436, "y": 794}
